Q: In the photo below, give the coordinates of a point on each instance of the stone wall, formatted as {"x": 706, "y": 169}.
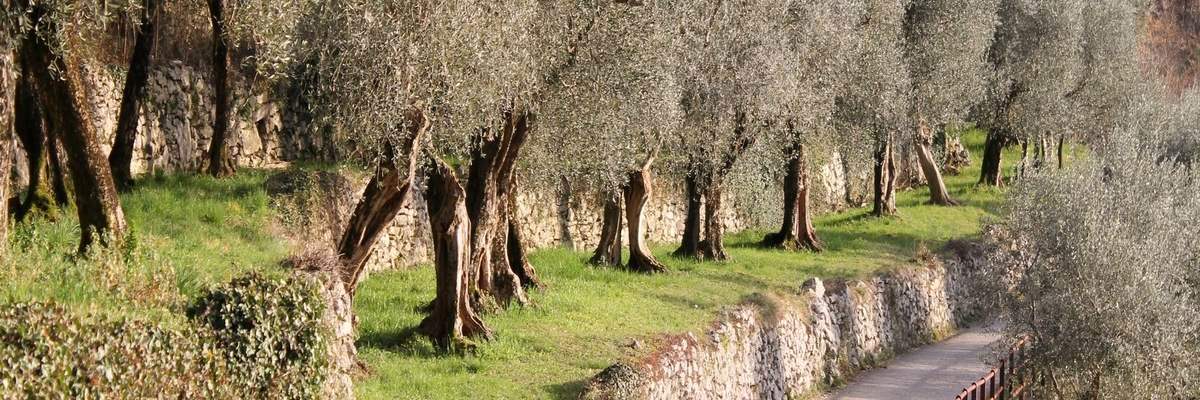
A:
{"x": 780, "y": 347}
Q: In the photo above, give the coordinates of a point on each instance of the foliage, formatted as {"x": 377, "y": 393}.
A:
{"x": 1103, "y": 259}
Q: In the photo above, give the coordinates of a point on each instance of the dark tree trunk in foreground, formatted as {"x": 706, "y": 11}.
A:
{"x": 608, "y": 251}
{"x": 388, "y": 191}
{"x": 690, "y": 245}
{"x": 1061, "y": 144}
{"x": 121, "y": 157}
{"x": 637, "y": 194}
{"x": 220, "y": 161}
{"x": 8, "y": 89}
{"x": 937, "y": 186}
{"x": 993, "y": 151}
{"x": 885, "y": 179}
{"x": 452, "y": 321}
{"x": 69, "y": 112}
{"x": 797, "y": 232}
{"x": 713, "y": 246}
{"x": 30, "y": 127}
{"x": 490, "y": 187}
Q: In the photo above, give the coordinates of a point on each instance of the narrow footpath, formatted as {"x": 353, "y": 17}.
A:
{"x": 935, "y": 372}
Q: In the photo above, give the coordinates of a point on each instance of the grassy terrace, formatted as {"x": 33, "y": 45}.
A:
{"x": 587, "y": 317}
{"x": 194, "y": 231}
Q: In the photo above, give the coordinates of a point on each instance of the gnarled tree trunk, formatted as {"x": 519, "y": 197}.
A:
{"x": 713, "y": 246}
{"x": 220, "y": 161}
{"x": 608, "y": 251}
{"x": 121, "y": 157}
{"x": 797, "y": 232}
{"x": 453, "y": 320}
{"x": 30, "y": 127}
{"x": 388, "y": 191}
{"x": 937, "y": 186}
{"x": 690, "y": 245}
{"x": 65, "y": 100}
{"x": 637, "y": 193}
{"x": 885, "y": 179}
{"x": 993, "y": 151}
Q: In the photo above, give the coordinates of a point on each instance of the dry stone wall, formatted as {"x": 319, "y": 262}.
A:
{"x": 780, "y": 347}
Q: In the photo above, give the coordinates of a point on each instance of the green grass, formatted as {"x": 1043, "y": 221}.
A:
{"x": 189, "y": 232}
{"x": 587, "y": 317}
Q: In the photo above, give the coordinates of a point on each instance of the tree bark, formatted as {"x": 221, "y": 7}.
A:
{"x": 690, "y": 245}
{"x": 713, "y": 246}
{"x": 937, "y": 186}
{"x": 608, "y": 251}
{"x": 220, "y": 161}
{"x": 30, "y": 127}
{"x": 991, "y": 173}
{"x": 452, "y": 321}
{"x": 8, "y": 89}
{"x": 58, "y": 168}
{"x": 518, "y": 256}
{"x": 490, "y": 186}
{"x": 638, "y": 191}
{"x": 1061, "y": 144}
{"x": 388, "y": 191}
{"x": 797, "y": 232}
{"x": 121, "y": 157}
{"x": 885, "y": 179}
{"x": 65, "y": 100}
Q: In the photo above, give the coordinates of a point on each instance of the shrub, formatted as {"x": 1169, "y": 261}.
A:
{"x": 270, "y": 331}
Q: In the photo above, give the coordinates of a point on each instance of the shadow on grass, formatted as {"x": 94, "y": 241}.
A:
{"x": 407, "y": 342}
{"x": 566, "y": 391}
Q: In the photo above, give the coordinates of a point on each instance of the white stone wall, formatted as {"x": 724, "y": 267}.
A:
{"x": 774, "y": 348}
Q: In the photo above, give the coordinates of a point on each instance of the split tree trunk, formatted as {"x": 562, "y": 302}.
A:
{"x": 797, "y": 232}
{"x": 690, "y": 245}
{"x": 388, "y": 191}
{"x": 121, "y": 157}
{"x": 991, "y": 174}
{"x": 220, "y": 161}
{"x": 66, "y": 104}
{"x": 608, "y": 251}
{"x": 637, "y": 193}
{"x": 885, "y": 179}
{"x": 518, "y": 256}
{"x": 933, "y": 175}
{"x": 30, "y": 127}
{"x": 490, "y": 187}
{"x": 453, "y": 320}
{"x": 713, "y": 246}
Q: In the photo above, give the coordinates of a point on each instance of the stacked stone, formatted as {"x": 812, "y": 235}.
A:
{"x": 788, "y": 348}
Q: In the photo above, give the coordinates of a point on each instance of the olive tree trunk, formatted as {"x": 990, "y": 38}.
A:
{"x": 220, "y": 161}
{"x": 713, "y": 246}
{"x": 65, "y": 100}
{"x": 121, "y": 157}
{"x": 933, "y": 175}
{"x": 707, "y": 189}
{"x": 637, "y": 193}
{"x": 1061, "y": 144}
{"x": 885, "y": 178}
{"x": 453, "y": 321}
{"x": 993, "y": 151}
{"x": 797, "y": 232}
{"x": 608, "y": 251}
{"x": 30, "y": 127}
{"x": 690, "y": 245}
{"x": 8, "y": 89}
{"x": 388, "y": 191}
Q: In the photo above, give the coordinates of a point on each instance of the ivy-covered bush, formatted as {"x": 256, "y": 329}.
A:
{"x": 270, "y": 331}
{"x": 48, "y": 352}
{"x": 255, "y": 337}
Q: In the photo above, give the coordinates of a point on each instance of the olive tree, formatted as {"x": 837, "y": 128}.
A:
{"x": 1105, "y": 273}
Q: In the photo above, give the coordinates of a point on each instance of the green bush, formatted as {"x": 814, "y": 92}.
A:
{"x": 254, "y": 337}
{"x": 270, "y": 332}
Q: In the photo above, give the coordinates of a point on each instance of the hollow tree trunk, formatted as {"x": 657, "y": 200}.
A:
{"x": 797, "y": 232}
{"x": 637, "y": 193}
{"x": 8, "y": 89}
{"x": 220, "y": 161}
{"x": 388, "y": 191}
{"x": 690, "y": 245}
{"x": 65, "y": 99}
{"x": 452, "y": 321}
{"x": 121, "y": 157}
{"x": 885, "y": 179}
{"x": 937, "y": 186}
{"x": 490, "y": 186}
{"x": 991, "y": 174}
{"x": 518, "y": 256}
{"x": 608, "y": 251}
{"x": 713, "y": 246}
{"x": 30, "y": 127}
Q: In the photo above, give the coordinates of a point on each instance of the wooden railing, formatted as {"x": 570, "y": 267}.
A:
{"x": 1008, "y": 381}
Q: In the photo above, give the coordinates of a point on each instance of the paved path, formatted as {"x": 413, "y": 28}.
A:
{"x": 935, "y": 372}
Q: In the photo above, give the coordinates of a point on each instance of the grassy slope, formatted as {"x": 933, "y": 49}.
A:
{"x": 586, "y": 318}
{"x": 190, "y": 232}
